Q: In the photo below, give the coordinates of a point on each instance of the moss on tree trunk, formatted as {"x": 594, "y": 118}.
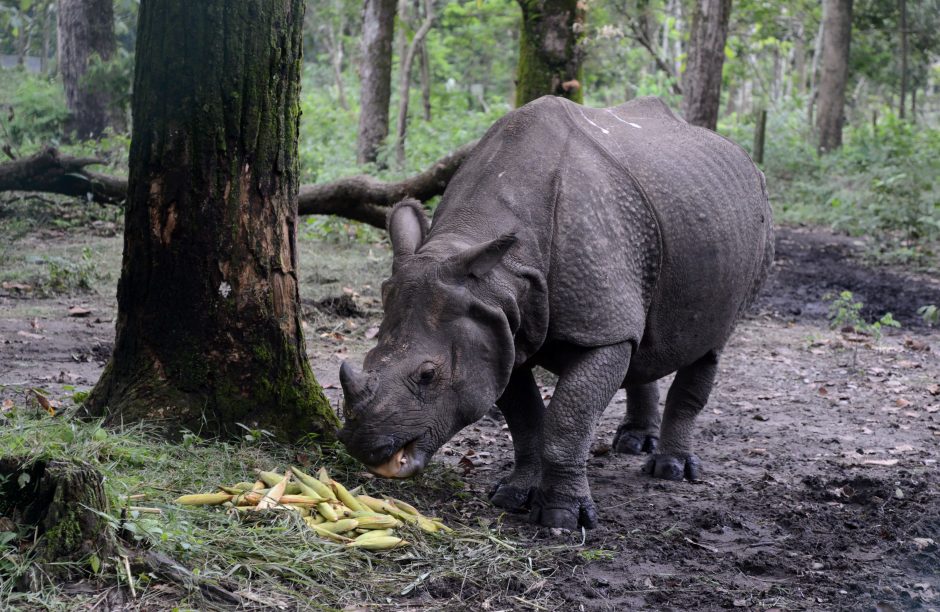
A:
{"x": 209, "y": 322}
{"x": 550, "y": 50}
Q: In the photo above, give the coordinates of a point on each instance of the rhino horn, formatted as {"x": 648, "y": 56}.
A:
{"x": 354, "y": 387}
{"x": 478, "y": 260}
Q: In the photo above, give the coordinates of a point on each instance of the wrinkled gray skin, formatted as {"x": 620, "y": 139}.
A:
{"x": 610, "y": 246}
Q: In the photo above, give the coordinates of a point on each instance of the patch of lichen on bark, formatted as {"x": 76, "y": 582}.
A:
{"x": 550, "y": 50}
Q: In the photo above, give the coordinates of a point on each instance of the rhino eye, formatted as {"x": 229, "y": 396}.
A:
{"x": 426, "y": 373}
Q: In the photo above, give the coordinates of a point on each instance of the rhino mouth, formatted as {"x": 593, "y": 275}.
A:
{"x": 405, "y": 462}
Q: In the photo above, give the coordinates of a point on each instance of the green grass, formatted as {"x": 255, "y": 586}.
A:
{"x": 276, "y": 558}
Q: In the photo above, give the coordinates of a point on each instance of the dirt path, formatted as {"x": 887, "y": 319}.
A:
{"x": 821, "y": 489}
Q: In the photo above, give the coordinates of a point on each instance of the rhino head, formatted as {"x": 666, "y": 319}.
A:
{"x": 444, "y": 351}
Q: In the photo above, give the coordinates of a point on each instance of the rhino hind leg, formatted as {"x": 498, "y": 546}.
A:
{"x": 687, "y": 395}
{"x": 523, "y": 408}
{"x": 639, "y": 432}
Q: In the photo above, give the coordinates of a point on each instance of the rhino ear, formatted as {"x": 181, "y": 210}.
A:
{"x": 478, "y": 260}
{"x": 407, "y": 227}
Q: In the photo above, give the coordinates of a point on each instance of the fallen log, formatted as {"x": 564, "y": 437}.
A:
{"x": 361, "y": 198}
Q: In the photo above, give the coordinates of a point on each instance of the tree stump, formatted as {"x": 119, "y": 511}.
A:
{"x": 59, "y": 501}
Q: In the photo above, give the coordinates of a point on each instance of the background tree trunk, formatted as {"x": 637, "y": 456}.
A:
{"x": 375, "y": 74}
{"x": 902, "y": 30}
{"x": 85, "y": 28}
{"x": 837, "y": 34}
{"x": 425, "y": 79}
{"x": 701, "y": 81}
{"x": 814, "y": 68}
{"x": 405, "y": 88}
{"x": 209, "y": 322}
{"x": 550, "y": 51}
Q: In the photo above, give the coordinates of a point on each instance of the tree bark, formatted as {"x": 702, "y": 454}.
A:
{"x": 85, "y": 28}
{"x": 65, "y": 501}
{"x": 902, "y": 30}
{"x": 837, "y": 33}
{"x": 361, "y": 198}
{"x": 814, "y": 69}
{"x": 209, "y": 323}
{"x": 550, "y": 50}
{"x": 405, "y": 87}
{"x": 701, "y": 81}
{"x": 425, "y": 79}
{"x": 375, "y": 75}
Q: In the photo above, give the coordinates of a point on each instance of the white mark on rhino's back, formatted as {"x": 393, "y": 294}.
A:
{"x": 602, "y": 129}
{"x": 614, "y": 115}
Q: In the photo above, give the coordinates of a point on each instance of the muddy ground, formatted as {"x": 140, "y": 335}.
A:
{"x": 821, "y": 489}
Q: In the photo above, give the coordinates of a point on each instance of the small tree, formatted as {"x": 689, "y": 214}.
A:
{"x": 701, "y": 81}
{"x": 209, "y": 321}
{"x": 375, "y": 74}
{"x": 837, "y": 34}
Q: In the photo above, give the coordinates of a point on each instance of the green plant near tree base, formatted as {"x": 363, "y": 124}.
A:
{"x": 930, "y": 314}
{"x": 66, "y": 276}
{"x": 845, "y": 312}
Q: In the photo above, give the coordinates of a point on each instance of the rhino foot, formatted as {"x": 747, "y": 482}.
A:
{"x": 630, "y": 441}
{"x": 673, "y": 467}
{"x": 564, "y": 511}
{"x": 508, "y": 497}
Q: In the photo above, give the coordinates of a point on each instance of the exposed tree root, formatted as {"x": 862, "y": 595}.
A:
{"x": 361, "y": 198}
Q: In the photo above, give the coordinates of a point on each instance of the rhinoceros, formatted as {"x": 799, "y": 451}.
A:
{"x": 610, "y": 246}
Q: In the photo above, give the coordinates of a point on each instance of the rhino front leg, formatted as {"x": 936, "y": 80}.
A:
{"x": 522, "y": 405}
{"x": 687, "y": 395}
{"x": 585, "y": 387}
{"x": 639, "y": 432}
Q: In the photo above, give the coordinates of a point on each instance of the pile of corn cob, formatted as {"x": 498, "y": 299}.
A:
{"x": 326, "y": 506}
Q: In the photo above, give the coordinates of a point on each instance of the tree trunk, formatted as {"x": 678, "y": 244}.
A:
{"x": 334, "y": 40}
{"x": 64, "y": 501}
{"x": 375, "y": 74}
{"x": 425, "y": 79}
{"x": 701, "y": 82}
{"x": 814, "y": 69}
{"x": 46, "y": 40}
{"x": 550, "y": 50}
{"x": 209, "y": 323}
{"x": 85, "y": 29}
{"x": 837, "y": 34}
{"x": 902, "y": 26}
{"x": 405, "y": 87}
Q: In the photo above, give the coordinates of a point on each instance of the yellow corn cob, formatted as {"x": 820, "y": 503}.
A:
{"x": 302, "y": 510}
{"x": 243, "y": 485}
{"x": 323, "y": 476}
{"x": 440, "y": 525}
{"x": 204, "y": 499}
{"x": 375, "y": 533}
{"x": 321, "y": 489}
{"x": 383, "y": 507}
{"x": 427, "y": 525}
{"x": 271, "y": 479}
{"x": 341, "y": 526}
{"x": 405, "y": 507}
{"x": 274, "y": 495}
{"x": 346, "y": 497}
{"x": 327, "y": 511}
{"x": 253, "y": 497}
{"x": 380, "y": 543}
{"x": 231, "y": 490}
{"x": 379, "y": 522}
{"x": 326, "y": 533}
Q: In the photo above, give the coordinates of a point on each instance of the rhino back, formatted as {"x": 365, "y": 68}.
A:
{"x": 714, "y": 225}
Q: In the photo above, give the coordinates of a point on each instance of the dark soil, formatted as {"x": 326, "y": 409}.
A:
{"x": 821, "y": 489}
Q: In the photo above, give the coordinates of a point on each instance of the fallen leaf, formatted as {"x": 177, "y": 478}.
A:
{"x": 17, "y": 286}
{"x": 916, "y": 345}
{"x": 933, "y": 389}
{"x": 823, "y": 391}
{"x": 757, "y": 451}
{"x": 372, "y": 332}
{"x": 79, "y": 311}
{"x": 901, "y": 403}
{"x": 44, "y": 402}
{"x": 7, "y": 405}
{"x": 30, "y": 335}
{"x": 902, "y": 448}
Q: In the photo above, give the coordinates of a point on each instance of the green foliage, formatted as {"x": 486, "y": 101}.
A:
{"x": 67, "y": 276}
{"x": 930, "y": 314}
{"x": 845, "y": 312}
{"x": 32, "y": 109}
